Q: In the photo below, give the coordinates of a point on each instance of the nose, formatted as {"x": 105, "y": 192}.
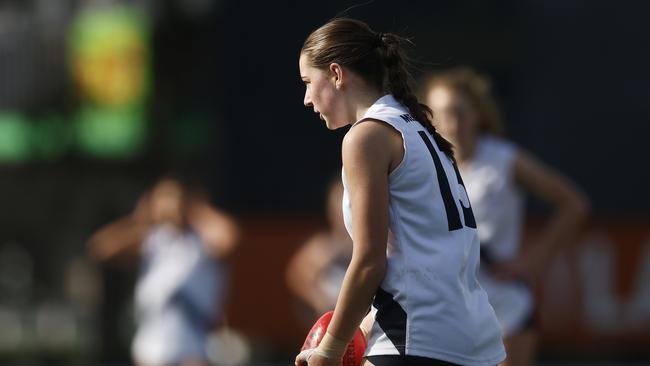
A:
{"x": 307, "y": 100}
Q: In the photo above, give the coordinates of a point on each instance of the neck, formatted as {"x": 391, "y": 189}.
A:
{"x": 362, "y": 100}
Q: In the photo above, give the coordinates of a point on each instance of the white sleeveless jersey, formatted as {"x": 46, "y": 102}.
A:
{"x": 495, "y": 197}
{"x": 430, "y": 303}
{"x": 497, "y": 203}
{"x": 178, "y": 291}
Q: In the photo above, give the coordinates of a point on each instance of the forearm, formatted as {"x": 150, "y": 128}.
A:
{"x": 359, "y": 287}
{"x": 116, "y": 238}
{"x": 561, "y": 228}
{"x": 570, "y": 205}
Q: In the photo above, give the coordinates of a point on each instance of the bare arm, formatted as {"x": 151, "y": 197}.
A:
{"x": 370, "y": 150}
{"x": 122, "y": 237}
{"x": 218, "y": 230}
{"x": 570, "y": 208}
{"x": 303, "y": 271}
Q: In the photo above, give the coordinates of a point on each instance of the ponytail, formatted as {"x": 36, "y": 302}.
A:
{"x": 377, "y": 57}
{"x": 398, "y": 81}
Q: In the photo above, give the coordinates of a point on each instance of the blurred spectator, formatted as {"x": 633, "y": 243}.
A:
{"x": 315, "y": 273}
{"x": 497, "y": 173}
{"x": 181, "y": 241}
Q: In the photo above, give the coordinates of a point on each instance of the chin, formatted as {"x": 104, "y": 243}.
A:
{"x": 334, "y": 125}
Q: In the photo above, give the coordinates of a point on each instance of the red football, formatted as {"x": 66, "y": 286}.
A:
{"x": 353, "y": 354}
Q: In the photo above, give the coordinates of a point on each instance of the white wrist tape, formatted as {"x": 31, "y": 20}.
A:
{"x": 331, "y": 347}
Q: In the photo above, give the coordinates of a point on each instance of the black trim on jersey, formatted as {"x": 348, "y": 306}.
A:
{"x": 394, "y": 360}
{"x": 391, "y": 318}
{"x": 468, "y": 214}
{"x": 453, "y": 217}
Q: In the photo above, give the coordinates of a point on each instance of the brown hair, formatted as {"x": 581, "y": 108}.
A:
{"x": 474, "y": 86}
{"x": 378, "y": 58}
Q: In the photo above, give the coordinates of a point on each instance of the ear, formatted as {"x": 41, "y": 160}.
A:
{"x": 337, "y": 75}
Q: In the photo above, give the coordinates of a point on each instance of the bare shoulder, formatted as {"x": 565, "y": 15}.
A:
{"x": 374, "y": 139}
{"x": 319, "y": 242}
{"x": 371, "y": 131}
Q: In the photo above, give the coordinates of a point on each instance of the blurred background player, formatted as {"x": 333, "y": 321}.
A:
{"x": 497, "y": 174}
{"x": 182, "y": 241}
{"x": 315, "y": 273}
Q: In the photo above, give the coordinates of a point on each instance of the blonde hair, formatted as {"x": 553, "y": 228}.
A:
{"x": 476, "y": 87}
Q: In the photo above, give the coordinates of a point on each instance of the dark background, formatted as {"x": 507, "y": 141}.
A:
{"x": 571, "y": 77}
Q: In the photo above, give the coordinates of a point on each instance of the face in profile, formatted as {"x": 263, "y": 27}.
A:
{"x": 455, "y": 116}
{"x": 322, "y": 95}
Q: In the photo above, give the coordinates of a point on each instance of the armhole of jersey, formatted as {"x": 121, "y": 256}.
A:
{"x": 398, "y": 169}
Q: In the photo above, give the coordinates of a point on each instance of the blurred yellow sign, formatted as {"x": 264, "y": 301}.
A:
{"x": 109, "y": 56}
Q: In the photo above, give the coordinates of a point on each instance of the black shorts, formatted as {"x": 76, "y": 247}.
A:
{"x": 398, "y": 360}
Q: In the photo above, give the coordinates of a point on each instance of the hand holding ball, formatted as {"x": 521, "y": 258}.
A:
{"x": 353, "y": 355}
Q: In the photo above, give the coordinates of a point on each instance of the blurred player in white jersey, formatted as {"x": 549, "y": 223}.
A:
{"x": 497, "y": 174}
{"x": 181, "y": 241}
{"x": 415, "y": 248}
{"x": 315, "y": 273}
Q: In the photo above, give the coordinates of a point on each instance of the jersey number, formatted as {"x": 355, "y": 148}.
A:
{"x": 453, "y": 216}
